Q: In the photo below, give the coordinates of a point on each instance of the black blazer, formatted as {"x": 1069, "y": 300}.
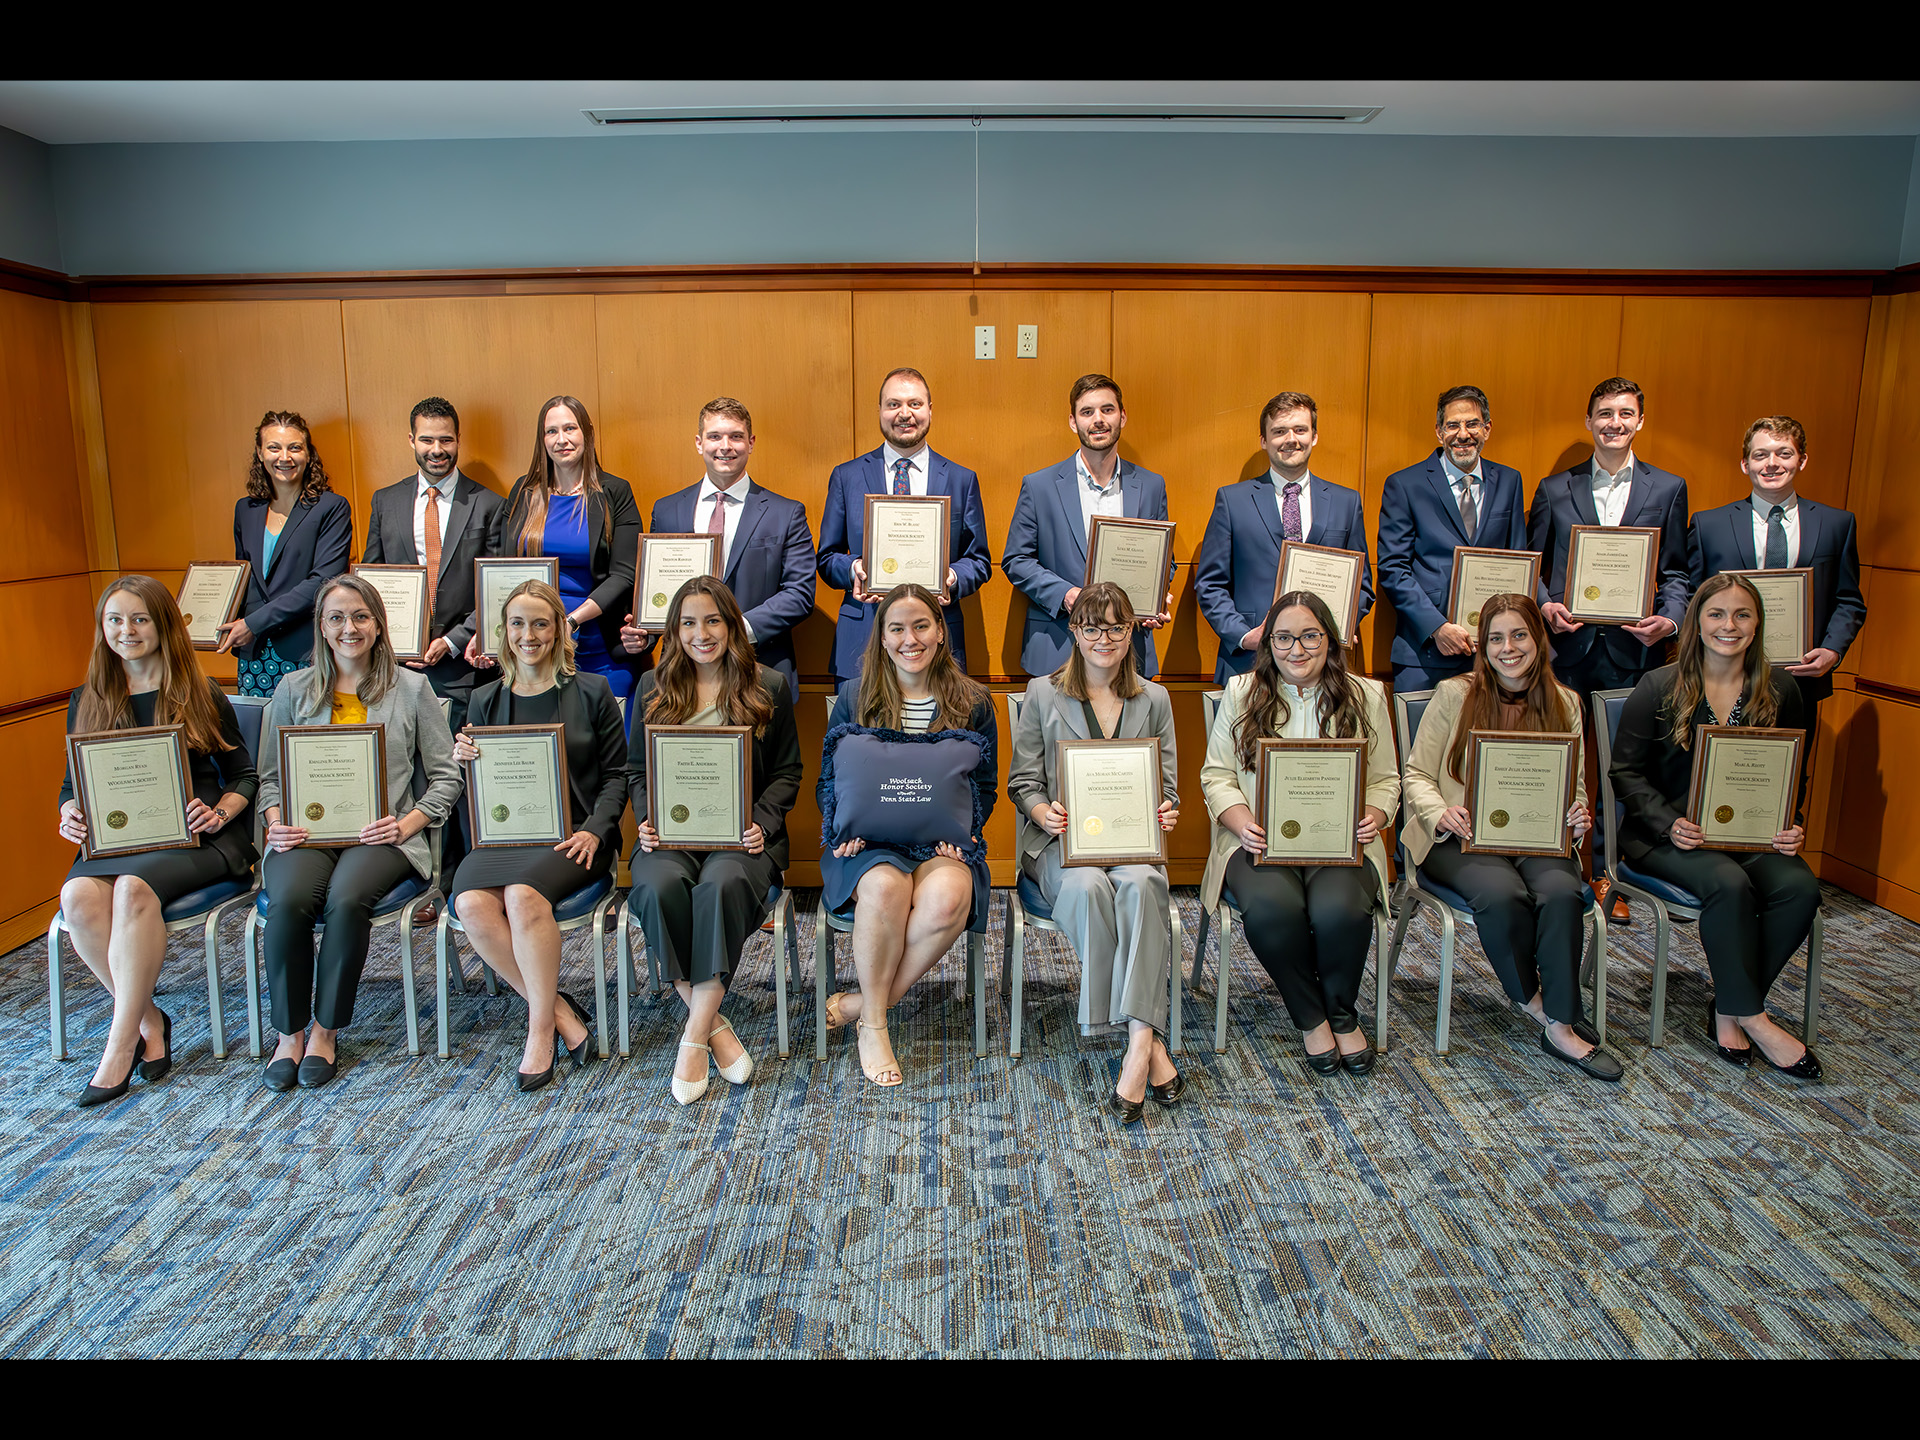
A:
{"x": 596, "y": 748}
{"x": 612, "y": 558}
{"x": 313, "y": 547}
{"x": 777, "y": 768}
{"x": 470, "y": 522}
{"x": 1652, "y": 775}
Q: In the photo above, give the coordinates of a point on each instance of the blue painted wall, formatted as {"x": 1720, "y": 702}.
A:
{"x": 29, "y": 231}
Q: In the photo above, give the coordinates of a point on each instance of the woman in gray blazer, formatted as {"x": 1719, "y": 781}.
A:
{"x": 1116, "y": 916}
{"x": 353, "y": 681}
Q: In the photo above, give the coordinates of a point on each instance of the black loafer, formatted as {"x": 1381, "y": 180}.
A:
{"x": 282, "y": 1075}
{"x": 1741, "y": 1055}
{"x": 1169, "y": 1093}
{"x": 315, "y": 1072}
{"x": 1596, "y": 1062}
{"x": 1128, "y": 1110}
{"x": 153, "y": 1070}
{"x": 1327, "y": 1062}
{"x": 1361, "y": 1061}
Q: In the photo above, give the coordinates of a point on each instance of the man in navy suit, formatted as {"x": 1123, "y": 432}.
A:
{"x": 1453, "y": 497}
{"x": 766, "y": 549}
{"x": 1775, "y": 528}
{"x": 1046, "y": 554}
{"x": 903, "y": 465}
{"x": 1239, "y": 560}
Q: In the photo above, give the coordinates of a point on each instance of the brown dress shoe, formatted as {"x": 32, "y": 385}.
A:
{"x": 426, "y": 915}
{"x": 1616, "y": 910}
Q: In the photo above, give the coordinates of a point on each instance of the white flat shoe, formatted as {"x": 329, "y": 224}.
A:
{"x": 739, "y": 1070}
{"x": 688, "y": 1091}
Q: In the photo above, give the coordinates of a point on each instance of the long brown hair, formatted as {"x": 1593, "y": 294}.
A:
{"x": 1690, "y": 682}
{"x": 1102, "y": 604}
{"x": 676, "y": 694}
{"x": 381, "y": 669}
{"x": 880, "y": 700}
{"x": 563, "y": 661}
{"x": 313, "y": 481}
{"x": 539, "y": 477}
{"x": 1342, "y": 706}
{"x": 185, "y": 696}
{"x": 1546, "y": 709}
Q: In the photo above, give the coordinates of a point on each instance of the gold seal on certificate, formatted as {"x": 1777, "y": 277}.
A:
{"x": 495, "y": 577}
{"x": 132, "y": 789}
{"x": 1111, "y": 789}
{"x": 1519, "y": 789}
{"x": 1480, "y": 574}
{"x": 1136, "y": 555}
{"x": 517, "y": 788}
{"x": 1610, "y": 573}
{"x": 403, "y": 590}
{"x": 1787, "y": 597}
{"x": 700, "y": 785}
{"x": 905, "y": 542}
{"x": 1333, "y": 575}
{"x": 211, "y": 594}
{"x": 664, "y": 564}
{"x": 1745, "y": 779}
{"x": 1308, "y": 798}
{"x": 333, "y": 780}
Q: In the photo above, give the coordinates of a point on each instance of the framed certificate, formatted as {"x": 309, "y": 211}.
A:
{"x": 904, "y": 541}
{"x": 132, "y": 789}
{"x": 1136, "y": 555}
{"x": 1308, "y": 799}
{"x": 1111, "y": 789}
{"x": 664, "y": 564}
{"x": 1744, "y": 782}
{"x": 517, "y": 789}
{"x": 1519, "y": 789}
{"x": 1479, "y": 575}
{"x": 1610, "y": 573}
{"x": 700, "y": 785}
{"x": 211, "y": 594}
{"x": 1787, "y": 597}
{"x": 1333, "y": 575}
{"x": 333, "y": 780}
{"x": 403, "y": 590}
{"x": 495, "y": 577}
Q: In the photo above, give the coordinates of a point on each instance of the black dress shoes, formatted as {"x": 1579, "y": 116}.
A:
{"x": 537, "y": 1080}
{"x": 152, "y": 1070}
{"x": 1807, "y": 1067}
{"x": 100, "y": 1095}
{"x": 282, "y": 1075}
{"x": 1128, "y": 1110}
{"x": 1169, "y": 1093}
{"x": 315, "y": 1072}
{"x": 582, "y": 1052}
{"x": 1596, "y": 1062}
{"x": 1361, "y": 1061}
{"x": 1741, "y": 1055}
{"x": 1327, "y": 1062}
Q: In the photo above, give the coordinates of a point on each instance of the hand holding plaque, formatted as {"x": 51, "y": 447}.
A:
{"x": 1333, "y": 575}
{"x": 211, "y": 594}
{"x": 131, "y": 786}
{"x": 664, "y": 564}
{"x": 1787, "y": 598}
{"x": 700, "y": 785}
{"x": 1136, "y": 555}
{"x": 495, "y": 577}
{"x": 403, "y": 590}
{"x": 517, "y": 785}
{"x": 333, "y": 780}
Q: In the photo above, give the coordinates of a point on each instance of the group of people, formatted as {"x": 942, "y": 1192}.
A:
{"x": 314, "y": 638}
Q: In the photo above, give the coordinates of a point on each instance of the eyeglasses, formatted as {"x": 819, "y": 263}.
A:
{"x": 1308, "y": 640}
{"x": 1463, "y": 427}
{"x": 1091, "y": 633}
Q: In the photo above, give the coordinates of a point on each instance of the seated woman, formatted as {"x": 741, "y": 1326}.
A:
{"x": 1308, "y": 925}
{"x": 910, "y": 910}
{"x": 1756, "y": 907}
{"x": 143, "y": 672}
{"x": 353, "y": 681}
{"x": 1116, "y": 916}
{"x": 505, "y": 894}
{"x": 698, "y": 908}
{"x": 1527, "y": 909}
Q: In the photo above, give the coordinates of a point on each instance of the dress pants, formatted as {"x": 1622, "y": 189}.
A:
{"x": 698, "y": 909}
{"x": 338, "y": 890}
{"x": 453, "y": 835}
{"x": 1117, "y": 921}
{"x": 1309, "y": 927}
{"x": 1755, "y": 911}
{"x": 1528, "y": 911}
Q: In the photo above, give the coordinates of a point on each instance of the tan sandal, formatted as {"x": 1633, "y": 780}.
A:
{"x": 874, "y": 1073}
{"x": 834, "y": 1018}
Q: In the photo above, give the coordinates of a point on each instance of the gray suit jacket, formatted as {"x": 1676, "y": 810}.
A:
{"x": 1046, "y": 718}
{"x": 390, "y": 542}
{"x": 421, "y": 774}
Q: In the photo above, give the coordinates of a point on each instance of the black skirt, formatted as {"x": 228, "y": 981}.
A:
{"x": 170, "y": 873}
{"x": 554, "y": 875}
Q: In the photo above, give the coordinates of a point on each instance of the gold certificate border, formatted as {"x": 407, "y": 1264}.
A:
{"x": 878, "y": 584}
{"x": 1103, "y": 523}
{"x": 290, "y": 736}
{"x": 1703, "y": 738}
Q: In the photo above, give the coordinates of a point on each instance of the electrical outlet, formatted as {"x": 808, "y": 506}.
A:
{"x": 1029, "y": 343}
{"x": 983, "y": 342}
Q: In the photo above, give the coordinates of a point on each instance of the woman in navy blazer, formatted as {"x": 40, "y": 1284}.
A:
{"x": 296, "y": 533}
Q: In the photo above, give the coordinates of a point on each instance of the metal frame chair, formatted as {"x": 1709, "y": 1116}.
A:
{"x": 1669, "y": 902}
{"x": 786, "y": 936}
{"x": 205, "y": 908}
{"x": 1417, "y": 890}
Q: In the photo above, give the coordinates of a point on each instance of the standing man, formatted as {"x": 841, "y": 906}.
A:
{"x": 1612, "y": 488}
{"x": 1453, "y": 497}
{"x": 438, "y": 518}
{"x": 1046, "y": 554}
{"x": 766, "y": 546}
{"x": 903, "y": 465}
{"x": 1239, "y": 561}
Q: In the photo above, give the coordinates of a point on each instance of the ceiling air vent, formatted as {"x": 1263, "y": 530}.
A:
{"x": 1049, "y": 116}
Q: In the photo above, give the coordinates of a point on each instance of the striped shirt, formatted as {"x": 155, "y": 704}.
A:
{"x": 918, "y": 714}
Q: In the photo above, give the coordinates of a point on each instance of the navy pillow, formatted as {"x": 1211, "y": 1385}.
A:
{"x": 904, "y": 791}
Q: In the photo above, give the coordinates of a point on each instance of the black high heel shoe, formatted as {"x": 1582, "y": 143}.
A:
{"x": 98, "y": 1095}
{"x": 1128, "y": 1110}
{"x": 1807, "y": 1067}
{"x": 1169, "y": 1093}
{"x": 1734, "y": 1055}
{"x": 155, "y": 1070}
{"x": 530, "y": 1080}
{"x": 582, "y": 1052}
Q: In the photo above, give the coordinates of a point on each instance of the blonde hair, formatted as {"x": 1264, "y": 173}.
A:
{"x": 510, "y": 667}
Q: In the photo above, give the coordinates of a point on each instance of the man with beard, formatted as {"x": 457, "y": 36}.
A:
{"x": 903, "y": 465}
{"x": 1046, "y": 554}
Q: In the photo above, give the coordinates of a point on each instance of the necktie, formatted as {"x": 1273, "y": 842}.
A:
{"x": 1776, "y": 539}
{"x": 1290, "y": 512}
{"x": 1468, "y": 518}
{"x": 433, "y": 547}
{"x": 717, "y": 520}
{"x": 901, "y": 468}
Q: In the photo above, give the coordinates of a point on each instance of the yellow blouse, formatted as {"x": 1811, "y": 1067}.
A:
{"x": 348, "y": 709}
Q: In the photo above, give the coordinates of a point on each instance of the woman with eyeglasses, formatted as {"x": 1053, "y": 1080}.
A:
{"x": 1115, "y": 916}
{"x": 1308, "y": 925}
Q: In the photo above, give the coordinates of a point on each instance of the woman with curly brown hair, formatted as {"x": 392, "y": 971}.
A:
{"x": 295, "y": 532}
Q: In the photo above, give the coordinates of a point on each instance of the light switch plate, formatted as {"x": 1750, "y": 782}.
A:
{"x": 1029, "y": 348}
{"x": 983, "y": 342}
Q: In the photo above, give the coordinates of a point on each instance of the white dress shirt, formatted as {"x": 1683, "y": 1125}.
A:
{"x": 1303, "y": 711}
{"x": 1094, "y": 501}
{"x": 445, "y": 487}
{"x": 1459, "y": 480}
{"x": 1791, "y": 519}
{"x": 1280, "y": 483}
{"x": 916, "y": 468}
{"x": 1611, "y": 492}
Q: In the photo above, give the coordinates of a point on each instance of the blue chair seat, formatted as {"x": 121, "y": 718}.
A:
{"x": 411, "y": 888}
{"x": 197, "y": 902}
{"x": 582, "y": 901}
{"x": 1459, "y": 902}
{"x": 1035, "y": 903}
{"x": 1653, "y": 885}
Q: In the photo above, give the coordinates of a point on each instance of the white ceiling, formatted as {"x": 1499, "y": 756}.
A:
{"x": 81, "y": 112}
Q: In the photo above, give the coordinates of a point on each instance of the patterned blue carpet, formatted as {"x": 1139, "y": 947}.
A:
{"x": 1491, "y": 1202}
